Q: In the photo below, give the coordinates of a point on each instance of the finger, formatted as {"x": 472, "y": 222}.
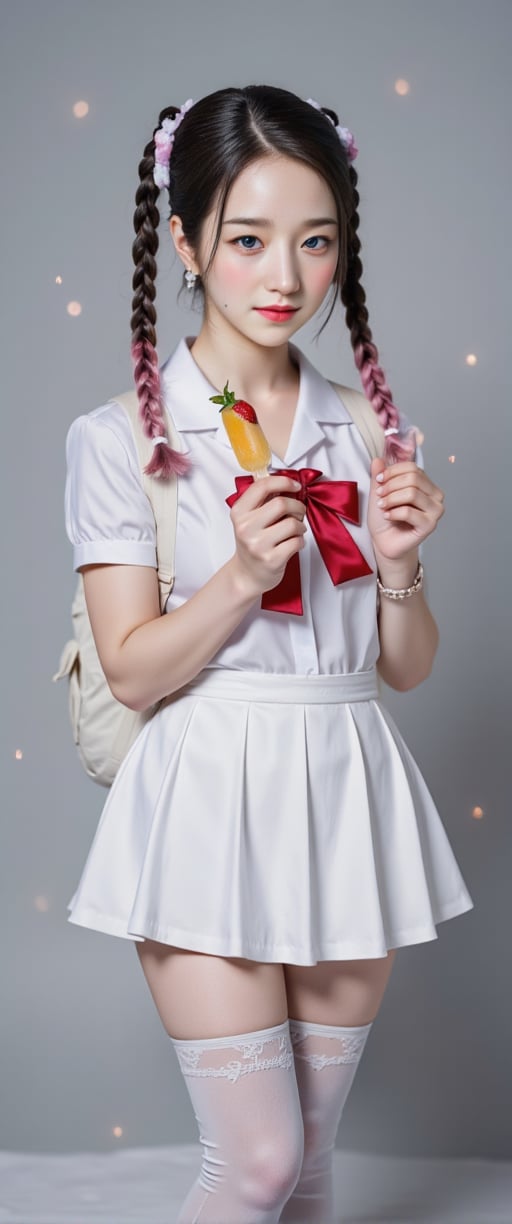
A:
{"x": 284, "y": 551}
{"x": 277, "y": 508}
{"x": 413, "y": 517}
{"x": 281, "y": 557}
{"x": 402, "y": 497}
{"x": 423, "y": 492}
{"x": 377, "y": 465}
{"x": 254, "y": 534}
{"x": 416, "y": 478}
{"x": 284, "y": 530}
{"x": 399, "y": 469}
{"x": 258, "y": 492}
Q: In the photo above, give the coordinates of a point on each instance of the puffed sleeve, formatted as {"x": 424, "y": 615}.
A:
{"x": 108, "y": 515}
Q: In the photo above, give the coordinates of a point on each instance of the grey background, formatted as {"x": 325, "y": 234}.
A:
{"x": 82, "y": 1047}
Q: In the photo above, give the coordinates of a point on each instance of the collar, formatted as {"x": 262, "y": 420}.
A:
{"x": 186, "y": 392}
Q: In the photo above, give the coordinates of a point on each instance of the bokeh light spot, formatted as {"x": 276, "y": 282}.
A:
{"x": 41, "y": 904}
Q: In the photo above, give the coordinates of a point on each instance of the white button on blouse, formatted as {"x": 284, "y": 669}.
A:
{"x": 108, "y": 517}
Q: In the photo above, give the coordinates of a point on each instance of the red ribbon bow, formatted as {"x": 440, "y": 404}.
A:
{"x": 325, "y": 501}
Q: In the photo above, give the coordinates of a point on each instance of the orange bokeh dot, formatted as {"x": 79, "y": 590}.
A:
{"x": 41, "y": 903}
{"x": 451, "y": 458}
{"x": 117, "y": 1131}
{"x": 402, "y": 87}
{"x": 471, "y": 359}
{"x": 74, "y": 308}
{"x": 477, "y": 813}
{"x": 80, "y": 109}
{"x": 18, "y": 754}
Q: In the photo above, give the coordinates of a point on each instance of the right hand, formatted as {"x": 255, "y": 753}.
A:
{"x": 269, "y": 527}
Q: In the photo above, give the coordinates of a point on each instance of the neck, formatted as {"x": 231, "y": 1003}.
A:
{"x": 253, "y": 370}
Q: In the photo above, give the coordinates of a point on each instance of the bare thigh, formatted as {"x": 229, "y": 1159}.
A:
{"x": 338, "y": 992}
{"x": 198, "y": 995}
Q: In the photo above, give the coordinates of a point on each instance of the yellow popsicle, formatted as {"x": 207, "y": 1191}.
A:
{"x": 245, "y": 434}
{"x": 248, "y": 441}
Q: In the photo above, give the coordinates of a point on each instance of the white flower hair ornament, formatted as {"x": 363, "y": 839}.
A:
{"x": 344, "y": 134}
{"x": 164, "y": 140}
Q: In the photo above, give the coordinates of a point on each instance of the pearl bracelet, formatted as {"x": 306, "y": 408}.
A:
{"x": 404, "y": 592}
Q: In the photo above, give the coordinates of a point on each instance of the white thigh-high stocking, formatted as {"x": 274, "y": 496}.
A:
{"x": 245, "y": 1098}
{"x": 326, "y": 1060}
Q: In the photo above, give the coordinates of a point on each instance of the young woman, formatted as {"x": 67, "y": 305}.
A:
{"x": 269, "y": 841}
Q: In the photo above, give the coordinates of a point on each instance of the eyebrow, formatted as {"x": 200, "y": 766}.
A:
{"x": 263, "y": 221}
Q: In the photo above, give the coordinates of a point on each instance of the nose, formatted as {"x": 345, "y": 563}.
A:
{"x": 282, "y": 272}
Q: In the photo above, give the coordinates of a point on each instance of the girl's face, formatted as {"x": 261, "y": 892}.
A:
{"x": 283, "y": 250}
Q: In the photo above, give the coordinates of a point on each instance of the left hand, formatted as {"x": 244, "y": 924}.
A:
{"x": 414, "y": 504}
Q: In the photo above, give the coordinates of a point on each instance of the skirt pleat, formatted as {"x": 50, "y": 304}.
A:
{"x": 274, "y": 829}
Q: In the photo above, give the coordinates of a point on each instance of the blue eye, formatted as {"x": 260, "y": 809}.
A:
{"x": 315, "y": 239}
{"x": 243, "y": 239}
{"x": 246, "y": 238}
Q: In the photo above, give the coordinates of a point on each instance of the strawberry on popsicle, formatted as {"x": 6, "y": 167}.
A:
{"x": 246, "y": 436}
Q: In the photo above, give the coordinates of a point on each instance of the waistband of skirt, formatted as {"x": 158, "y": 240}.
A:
{"x": 232, "y": 685}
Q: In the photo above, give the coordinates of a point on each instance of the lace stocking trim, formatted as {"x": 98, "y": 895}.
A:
{"x": 351, "y": 1045}
{"x": 190, "y": 1056}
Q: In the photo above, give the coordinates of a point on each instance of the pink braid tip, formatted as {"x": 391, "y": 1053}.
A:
{"x": 166, "y": 462}
{"x": 400, "y": 448}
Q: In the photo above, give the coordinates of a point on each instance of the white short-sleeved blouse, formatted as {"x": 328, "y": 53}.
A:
{"x": 341, "y": 854}
{"x": 109, "y": 518}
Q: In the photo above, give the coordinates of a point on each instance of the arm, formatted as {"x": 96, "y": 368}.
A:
{"x": 408, "y": 633}
{"x": 146, "y": 656}
{"x": 409, "y": 510}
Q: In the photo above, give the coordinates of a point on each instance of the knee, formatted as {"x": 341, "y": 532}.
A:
{"x": 273, "y": 1169}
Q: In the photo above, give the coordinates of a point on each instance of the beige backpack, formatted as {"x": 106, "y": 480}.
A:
{"x": 103, "y": 728}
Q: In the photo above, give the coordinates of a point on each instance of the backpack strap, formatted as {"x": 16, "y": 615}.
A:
{"x": 364, "y": 416}
{"x": 163, "y": 494}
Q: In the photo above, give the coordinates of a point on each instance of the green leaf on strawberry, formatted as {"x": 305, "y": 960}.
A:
{"x": 226, "y": 400}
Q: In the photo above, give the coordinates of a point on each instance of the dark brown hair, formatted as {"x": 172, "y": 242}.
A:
{"x": 218, "y": 137}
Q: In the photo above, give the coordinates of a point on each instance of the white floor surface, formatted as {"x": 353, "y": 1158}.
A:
{"x": 147, "y": 1186}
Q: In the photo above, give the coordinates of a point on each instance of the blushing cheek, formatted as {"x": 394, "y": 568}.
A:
{"x": 236, "y": 276}
{"x": 320, "y": 277}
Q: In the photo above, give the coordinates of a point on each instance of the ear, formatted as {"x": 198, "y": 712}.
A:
{"x": 185, "y": 252}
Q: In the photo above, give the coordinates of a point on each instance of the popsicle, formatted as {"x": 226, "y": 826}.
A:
{"x": 246, "y": 436}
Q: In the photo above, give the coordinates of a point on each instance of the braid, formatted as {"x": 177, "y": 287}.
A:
{"x": 398, "y": 446}
{"x": 164, "y": 461}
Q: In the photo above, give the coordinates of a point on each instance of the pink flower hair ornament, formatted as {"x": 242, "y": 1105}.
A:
{"x": 344, "y": 134}
{"x": 164, "y": 140}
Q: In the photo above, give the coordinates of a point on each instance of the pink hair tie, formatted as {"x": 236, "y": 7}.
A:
{"x": 344, "y": 134}
{"x": 164, "y": 140}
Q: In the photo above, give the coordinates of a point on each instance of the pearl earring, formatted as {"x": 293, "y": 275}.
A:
{"x": 190, "y": 278}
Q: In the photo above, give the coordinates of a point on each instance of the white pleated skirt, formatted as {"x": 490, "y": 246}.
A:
{"x": 271, "y": 817}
